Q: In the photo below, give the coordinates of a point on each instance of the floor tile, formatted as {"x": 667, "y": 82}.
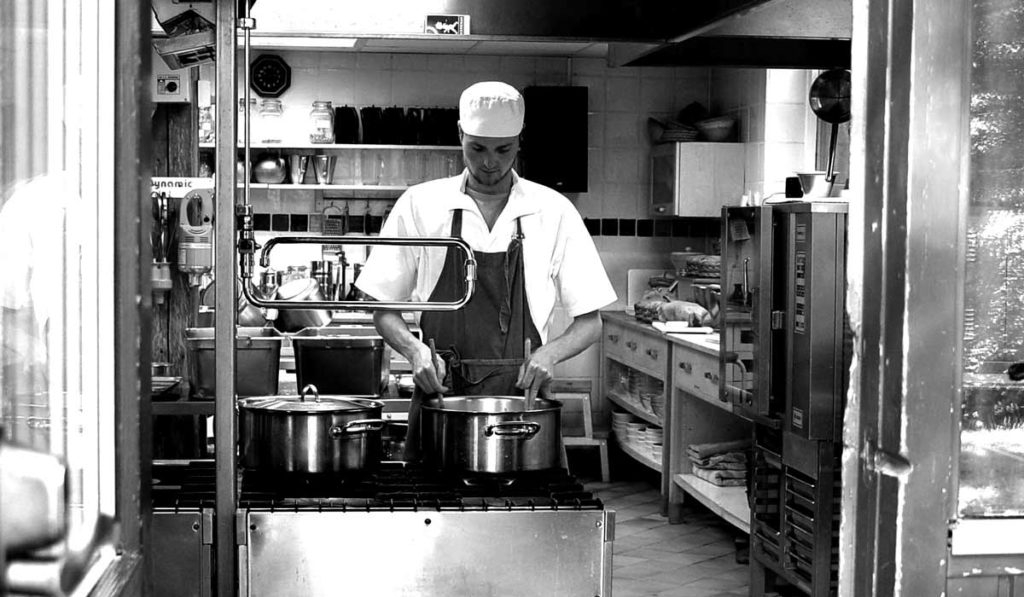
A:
{"x": 653, "y": 558}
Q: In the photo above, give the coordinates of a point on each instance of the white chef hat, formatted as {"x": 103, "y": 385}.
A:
{"x": 491, "y": 109}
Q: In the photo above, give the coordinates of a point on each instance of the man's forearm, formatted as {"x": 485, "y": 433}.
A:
{"x": 584, "y": 331}
{"x": 396, "y": 333}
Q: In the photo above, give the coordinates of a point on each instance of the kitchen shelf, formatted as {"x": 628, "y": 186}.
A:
{"x": 635, "y": 409}
{"x": 637, "y": 455}
{"x": 326, "y": 187}
{"x": 183, "y": 407}
{"x": 339, "y": 146}
{"x": 730, "y": 503}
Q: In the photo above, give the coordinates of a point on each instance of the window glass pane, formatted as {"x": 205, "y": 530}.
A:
{"x": 992, "y": 416}
{"x": 56, "y": 369}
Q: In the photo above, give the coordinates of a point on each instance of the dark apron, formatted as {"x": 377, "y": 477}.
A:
{"x": 482, "y": 344}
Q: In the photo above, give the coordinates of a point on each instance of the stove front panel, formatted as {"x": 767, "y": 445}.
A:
{"x": 427, "y": 553}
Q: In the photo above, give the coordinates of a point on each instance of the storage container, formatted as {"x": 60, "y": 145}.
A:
{"x": 338, "y": 362}
{"x": 257, "y": 361}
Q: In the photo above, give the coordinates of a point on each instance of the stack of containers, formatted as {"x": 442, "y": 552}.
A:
{"x": 653, "y": 435}
{"x": 619, "y": 422}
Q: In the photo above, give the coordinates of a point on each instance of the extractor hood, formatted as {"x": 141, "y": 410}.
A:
{"x": 764, "y": 34}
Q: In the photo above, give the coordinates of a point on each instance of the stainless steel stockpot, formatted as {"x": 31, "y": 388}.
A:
{"x": 310, "y": 433}
{"x": 491, "y": 434}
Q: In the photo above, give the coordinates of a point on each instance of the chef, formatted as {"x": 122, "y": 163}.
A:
{"x": 531, "y": 250}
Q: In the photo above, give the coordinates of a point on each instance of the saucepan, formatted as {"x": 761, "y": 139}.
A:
{"x": 310, "y": 433}
{"x": 830, "y": 100}
{"x": 491, "y": 434}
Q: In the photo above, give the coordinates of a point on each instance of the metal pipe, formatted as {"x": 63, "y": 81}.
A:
{"x": 444, "y": 241}
{"x": 225, "y": 547}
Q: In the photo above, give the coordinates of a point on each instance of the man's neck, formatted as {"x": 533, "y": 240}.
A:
{"x": 490, "y": 205}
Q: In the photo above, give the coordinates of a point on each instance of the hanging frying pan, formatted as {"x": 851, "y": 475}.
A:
{"x": 830, "y": 100}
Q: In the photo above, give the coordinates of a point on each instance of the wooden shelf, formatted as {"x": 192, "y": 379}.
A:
{"x": 327, "y": 187}
{"x": 726, "y": 406}
{"x": 728, "y": 502}
{"x": 635, "y": 409}
{"x": 339, "y": 146}
{"x": 637, "y": 455}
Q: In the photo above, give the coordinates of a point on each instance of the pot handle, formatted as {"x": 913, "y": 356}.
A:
{"x": 518, "y": 429}
{"x": 357, "y": 426}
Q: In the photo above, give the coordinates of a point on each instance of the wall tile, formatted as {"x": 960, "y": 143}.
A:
{"x": 336, "y": 60}
{"x": 784, "y": 123}
{"x": 373, "y": 61}
{"x": 589, "y": 66}
{"x": 517, "y": 64}
{"x": 452, "y": 63}
{"x": 782, "y": 160}
{"x": 621, "y": 166}
{"x": 374, "y": 87}
{"x": 595, "y": 91}
{"x": 483, "y": 64}
{"x": 622, "y": 130}
{"x": 595, "y": 129}
{"x": 413, "y": 62}
{"x": 786, "y": 85}
{"x": 657, "y": 94}
{"x": 622, "y": 94}
{"x": 619, "y": 200}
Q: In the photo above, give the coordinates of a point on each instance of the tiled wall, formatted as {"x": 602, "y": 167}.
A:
{"x": 776, "y": 123}
{"x": 620, "y": 101}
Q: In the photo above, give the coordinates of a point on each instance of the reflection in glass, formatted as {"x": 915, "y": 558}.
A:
{"x": 991, "y": 482}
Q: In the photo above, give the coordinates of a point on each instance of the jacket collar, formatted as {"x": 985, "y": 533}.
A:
{"x": 520, "y": 203}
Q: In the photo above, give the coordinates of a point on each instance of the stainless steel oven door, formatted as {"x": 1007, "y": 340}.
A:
{"x": 523, "y": 553}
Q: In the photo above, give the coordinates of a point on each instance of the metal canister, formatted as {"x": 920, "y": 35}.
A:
{"x": 323, "y": 272}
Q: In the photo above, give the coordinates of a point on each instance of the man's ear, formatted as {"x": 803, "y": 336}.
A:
{"x": 460, "y": 131}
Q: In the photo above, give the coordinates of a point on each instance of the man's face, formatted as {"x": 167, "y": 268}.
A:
{"x": 489, "y": 159}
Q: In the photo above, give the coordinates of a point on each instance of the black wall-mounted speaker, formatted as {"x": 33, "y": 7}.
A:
{"x": 554, "y": 145}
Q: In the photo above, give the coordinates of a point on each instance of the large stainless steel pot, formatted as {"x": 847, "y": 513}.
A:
{"x": 491, "y": 434}
{"x": 294, "y": 319}
{"x": 310, "y": 433}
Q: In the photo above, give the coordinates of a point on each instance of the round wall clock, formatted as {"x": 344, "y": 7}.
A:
{"x": 269, "y": 75}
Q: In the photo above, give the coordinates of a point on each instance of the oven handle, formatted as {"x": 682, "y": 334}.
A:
{"x": 354, "y": 427}
{"x": 513, "y": 429}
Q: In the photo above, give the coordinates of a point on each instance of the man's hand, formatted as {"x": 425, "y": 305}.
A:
{"x": 537, "y": 371}
{"x": 426, "y": 374}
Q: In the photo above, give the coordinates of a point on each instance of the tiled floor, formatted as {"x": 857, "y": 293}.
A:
{"x": 655, "y": 558}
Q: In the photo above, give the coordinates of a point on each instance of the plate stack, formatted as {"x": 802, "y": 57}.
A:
{"x": 651, "y": 436}
{"x": 619, "y": 422}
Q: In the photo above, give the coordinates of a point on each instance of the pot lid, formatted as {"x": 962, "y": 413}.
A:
{"x": 310, "y": 401}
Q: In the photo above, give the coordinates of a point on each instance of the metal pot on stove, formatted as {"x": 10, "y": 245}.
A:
{"x": 310, "y": 433}
{"x": 491, "y": 434}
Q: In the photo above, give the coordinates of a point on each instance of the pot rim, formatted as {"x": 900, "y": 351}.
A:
{"x": 431, "y": 404}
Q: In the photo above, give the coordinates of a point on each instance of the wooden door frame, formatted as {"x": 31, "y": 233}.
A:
{"x": 909, "y": 147}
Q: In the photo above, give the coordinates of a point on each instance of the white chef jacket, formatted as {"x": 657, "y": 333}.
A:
{"x": 559, "y": 257}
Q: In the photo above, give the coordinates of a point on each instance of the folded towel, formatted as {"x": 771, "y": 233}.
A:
{"x": 721, "y": 466}
{"x": 715, "y": 478}
{"x": 705, "y": 450}
{"x": 724, "y": 474}
{"x": 728, "y": 460}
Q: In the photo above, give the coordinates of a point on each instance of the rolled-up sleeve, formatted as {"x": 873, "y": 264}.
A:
{"x": 390, "y": 271}
{"x": 579, "y": 275}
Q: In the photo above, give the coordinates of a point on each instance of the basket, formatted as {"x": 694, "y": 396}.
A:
{"x": 719, "y": 128}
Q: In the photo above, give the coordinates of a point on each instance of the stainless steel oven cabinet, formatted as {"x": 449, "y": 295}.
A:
{"x": 426, "y": 553}
{"x": 182, "y": 552}
{"x": 696, "y": 179}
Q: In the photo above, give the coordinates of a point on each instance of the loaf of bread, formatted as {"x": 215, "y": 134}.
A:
{"x": 703, "y": 266}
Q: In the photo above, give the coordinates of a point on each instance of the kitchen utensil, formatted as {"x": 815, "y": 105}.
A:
{"x": 433, "y": 361}
{"x": 269, "y": 168}
{"x": 370, "y": 118}
{"x": 392, "y": 119}
{"x": 716, "y": 129}
{"x": 310, "y": 433}
{"x": 338, "y": 361}
{"x": 295, "y": 319}
{"x": 346, "y": 125}
{"x": 323, "y": 168}
{"x": 491, "y": 434}
{"x": 257, "y": 361}
{"x": 829, "y": 98}
{"x": 528, "y": 403}
{"x": 297, "y": 165}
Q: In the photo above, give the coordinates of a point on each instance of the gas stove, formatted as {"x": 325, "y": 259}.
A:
{"x": 405, "y": 530}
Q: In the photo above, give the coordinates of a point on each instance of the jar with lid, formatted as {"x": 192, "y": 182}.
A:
{"x": 241, "y": 122}
{"x": 321, "y": 120}
{"x": 271, "y": 122}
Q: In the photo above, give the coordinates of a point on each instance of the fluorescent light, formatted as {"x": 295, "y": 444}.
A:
{"x": 280, "y": 41}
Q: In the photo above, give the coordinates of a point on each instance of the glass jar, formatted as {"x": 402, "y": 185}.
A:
{"x": 271, "y": 123}
{"x": 206, "y": 128}
{"x": 321, "y": 120}
{"x": 241, "y": 122}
